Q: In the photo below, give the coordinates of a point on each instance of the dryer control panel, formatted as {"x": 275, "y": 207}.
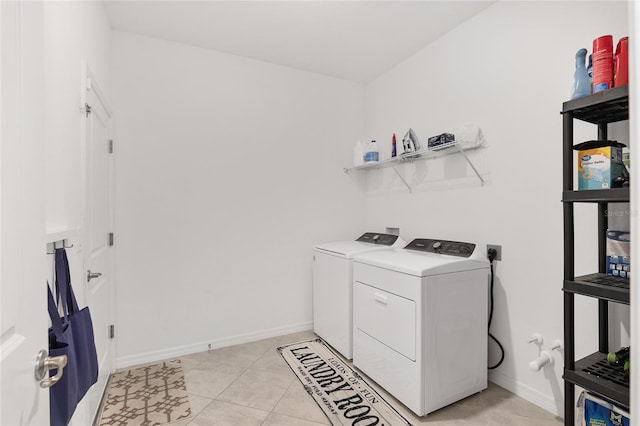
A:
{"x": 452, "y": 248}
{"x": 379, "y": 239}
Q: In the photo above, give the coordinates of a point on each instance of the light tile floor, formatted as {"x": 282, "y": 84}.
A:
{"x": 250, "y": 384}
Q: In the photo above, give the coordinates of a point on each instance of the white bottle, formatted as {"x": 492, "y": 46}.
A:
{"x": 371, "y": 155}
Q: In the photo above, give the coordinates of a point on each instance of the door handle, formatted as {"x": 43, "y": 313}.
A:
{"x": 381, "y": 298}
{"x": 45, "y": 363}
{"x": 91, "y": 275}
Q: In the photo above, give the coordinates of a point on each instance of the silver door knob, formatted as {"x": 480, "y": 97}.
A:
{"x": 45, "y": 363}
{"x": 91, "y": 275}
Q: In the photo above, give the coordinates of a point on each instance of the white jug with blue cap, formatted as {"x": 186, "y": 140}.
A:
{"x": 371, "y": 155}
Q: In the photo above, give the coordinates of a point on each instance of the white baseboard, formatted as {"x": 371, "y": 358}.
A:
{"x": 534, "y": 396}
{"x": 165, "y": 353}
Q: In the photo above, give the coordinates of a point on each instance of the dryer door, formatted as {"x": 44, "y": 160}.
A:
{"x": 386, "y": 317}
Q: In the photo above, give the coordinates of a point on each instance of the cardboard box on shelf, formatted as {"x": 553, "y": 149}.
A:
{"x": 599, "y": 167}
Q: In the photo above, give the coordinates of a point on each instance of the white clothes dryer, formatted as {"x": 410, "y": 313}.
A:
{"x": 420, "y": 321}
{"x": 333, "y": 286}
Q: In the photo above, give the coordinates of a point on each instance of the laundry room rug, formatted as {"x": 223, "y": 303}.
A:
{"x": 146, "y": 396}
{"x": 342, "y": 394}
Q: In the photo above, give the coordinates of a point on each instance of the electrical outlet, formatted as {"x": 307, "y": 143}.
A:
{"x": 498, "y": 250}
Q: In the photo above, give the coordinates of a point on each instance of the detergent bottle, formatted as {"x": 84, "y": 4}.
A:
{"x": 581, "y": 82}
{"x": 371, "y": 155}
{"x": 621, "y": 63}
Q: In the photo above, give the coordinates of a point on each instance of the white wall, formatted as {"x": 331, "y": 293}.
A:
{"x": 75, "y": 32}
{"x": 508, "y": 70}
{"x": 228, "y": 172}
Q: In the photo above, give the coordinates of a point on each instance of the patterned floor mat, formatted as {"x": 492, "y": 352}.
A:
{"x": 146, "y": 396}
{"x": 342, "y": 394}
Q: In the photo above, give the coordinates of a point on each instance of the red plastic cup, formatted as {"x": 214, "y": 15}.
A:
{"x": 602, "y": 58}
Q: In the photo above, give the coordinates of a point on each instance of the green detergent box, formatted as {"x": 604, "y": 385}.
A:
{"x": 599, "y": 167}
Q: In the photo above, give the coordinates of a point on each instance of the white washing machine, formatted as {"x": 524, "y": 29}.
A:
{"x": 420, "y": 321}
{"x": 333, "y": 286}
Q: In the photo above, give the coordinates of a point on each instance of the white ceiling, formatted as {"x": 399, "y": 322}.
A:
{"x": 353, "y": 40}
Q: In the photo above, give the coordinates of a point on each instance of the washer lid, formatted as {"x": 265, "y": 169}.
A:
{"x": 421, "y": 264}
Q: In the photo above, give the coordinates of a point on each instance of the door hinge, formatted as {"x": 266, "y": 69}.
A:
{"x": 110, "y": 238}
{"x": 87, "y": 109}
{"x": 112, "y": 331}
{"x": 110, "y": 146}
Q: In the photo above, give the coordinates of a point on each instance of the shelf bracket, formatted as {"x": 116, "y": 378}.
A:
{"x": 461, "y": 151}
{"x": 401, "y": 178}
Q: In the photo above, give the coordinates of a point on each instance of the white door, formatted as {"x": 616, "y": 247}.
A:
{"x": 97, "y": 253}
{"x": 23, "y": 272}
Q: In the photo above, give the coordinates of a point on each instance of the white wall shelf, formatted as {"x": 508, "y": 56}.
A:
{"x": 422, "y": 154}
{"x": 58, "y": 239}
{"x": 60, "y": 235}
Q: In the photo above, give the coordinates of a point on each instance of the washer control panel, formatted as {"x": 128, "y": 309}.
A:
{"x": 452, "y": 248}
{"x": 380, "y": 239}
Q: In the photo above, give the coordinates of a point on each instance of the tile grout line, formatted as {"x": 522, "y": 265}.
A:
{"x": 245, "y": 369}
{"x": 290, "y": 415}
{"x": 211, "y": 400}
{"x": 278, "y": 402}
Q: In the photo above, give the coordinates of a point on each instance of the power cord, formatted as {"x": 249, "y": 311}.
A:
{"x": 491, "y": 254}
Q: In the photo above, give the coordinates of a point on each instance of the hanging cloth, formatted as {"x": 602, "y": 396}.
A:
{"x": 77, "y": 330}
{"x": 63, "y": 394}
